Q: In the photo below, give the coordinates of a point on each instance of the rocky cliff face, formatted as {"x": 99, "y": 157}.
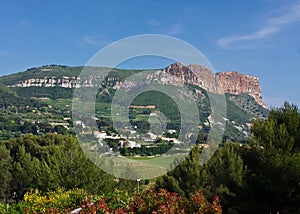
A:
{"x": 236, "y": 83}
{"x": 192, "y": 74}
{"x": 223, "y": 82}
{"x": 64, "y": 82}
{"x": 178, "y": 74}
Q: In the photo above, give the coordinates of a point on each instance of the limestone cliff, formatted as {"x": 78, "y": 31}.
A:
{"x": 236, "y": 83}
{"x": 223, "y": 82}
{"x": 178, "y": 74}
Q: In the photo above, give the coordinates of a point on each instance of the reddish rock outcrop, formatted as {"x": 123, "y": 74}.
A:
{"x": 236, "y": 83}
{"x": 223, "y": 82}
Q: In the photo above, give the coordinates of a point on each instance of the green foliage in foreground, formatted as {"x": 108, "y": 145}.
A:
{"x": 261, "y": 177}
{"x": 48, "y": 162}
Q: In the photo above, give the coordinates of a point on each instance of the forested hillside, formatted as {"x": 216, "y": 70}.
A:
{"x": 56, "y": 83}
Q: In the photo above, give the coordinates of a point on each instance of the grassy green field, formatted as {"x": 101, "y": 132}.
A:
{"x": 161, "y": 161}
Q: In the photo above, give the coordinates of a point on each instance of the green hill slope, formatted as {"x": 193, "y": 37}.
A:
{"x": 241, "y": 109}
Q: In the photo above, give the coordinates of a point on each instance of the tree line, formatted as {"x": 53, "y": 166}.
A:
{"x": 47, "y": 162}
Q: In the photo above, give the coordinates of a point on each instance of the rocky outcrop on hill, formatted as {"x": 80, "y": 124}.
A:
{"x": 236, "y": 83}
{"x": 64, "y": 82}
{"x": 178, "y": 74}
{"x": 223, "y": 82}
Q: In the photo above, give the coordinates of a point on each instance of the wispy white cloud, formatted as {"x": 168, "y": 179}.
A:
{"x": 262, "y": 33}
{"x": 93, "y": 40}
{"x": 290, "y": 15}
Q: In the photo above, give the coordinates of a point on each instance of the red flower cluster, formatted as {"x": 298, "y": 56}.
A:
{"x": 153, "y": 202}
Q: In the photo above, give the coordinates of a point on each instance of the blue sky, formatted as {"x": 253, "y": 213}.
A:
{"x": 257, "y": 37}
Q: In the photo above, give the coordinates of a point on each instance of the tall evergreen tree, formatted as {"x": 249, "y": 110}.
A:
{"x": 274, "y": 163}
{"x": 227, "y": 171}
{"x": 187, "y": 177}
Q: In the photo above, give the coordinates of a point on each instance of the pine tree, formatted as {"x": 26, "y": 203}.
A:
{"x": 274, "y": 162}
